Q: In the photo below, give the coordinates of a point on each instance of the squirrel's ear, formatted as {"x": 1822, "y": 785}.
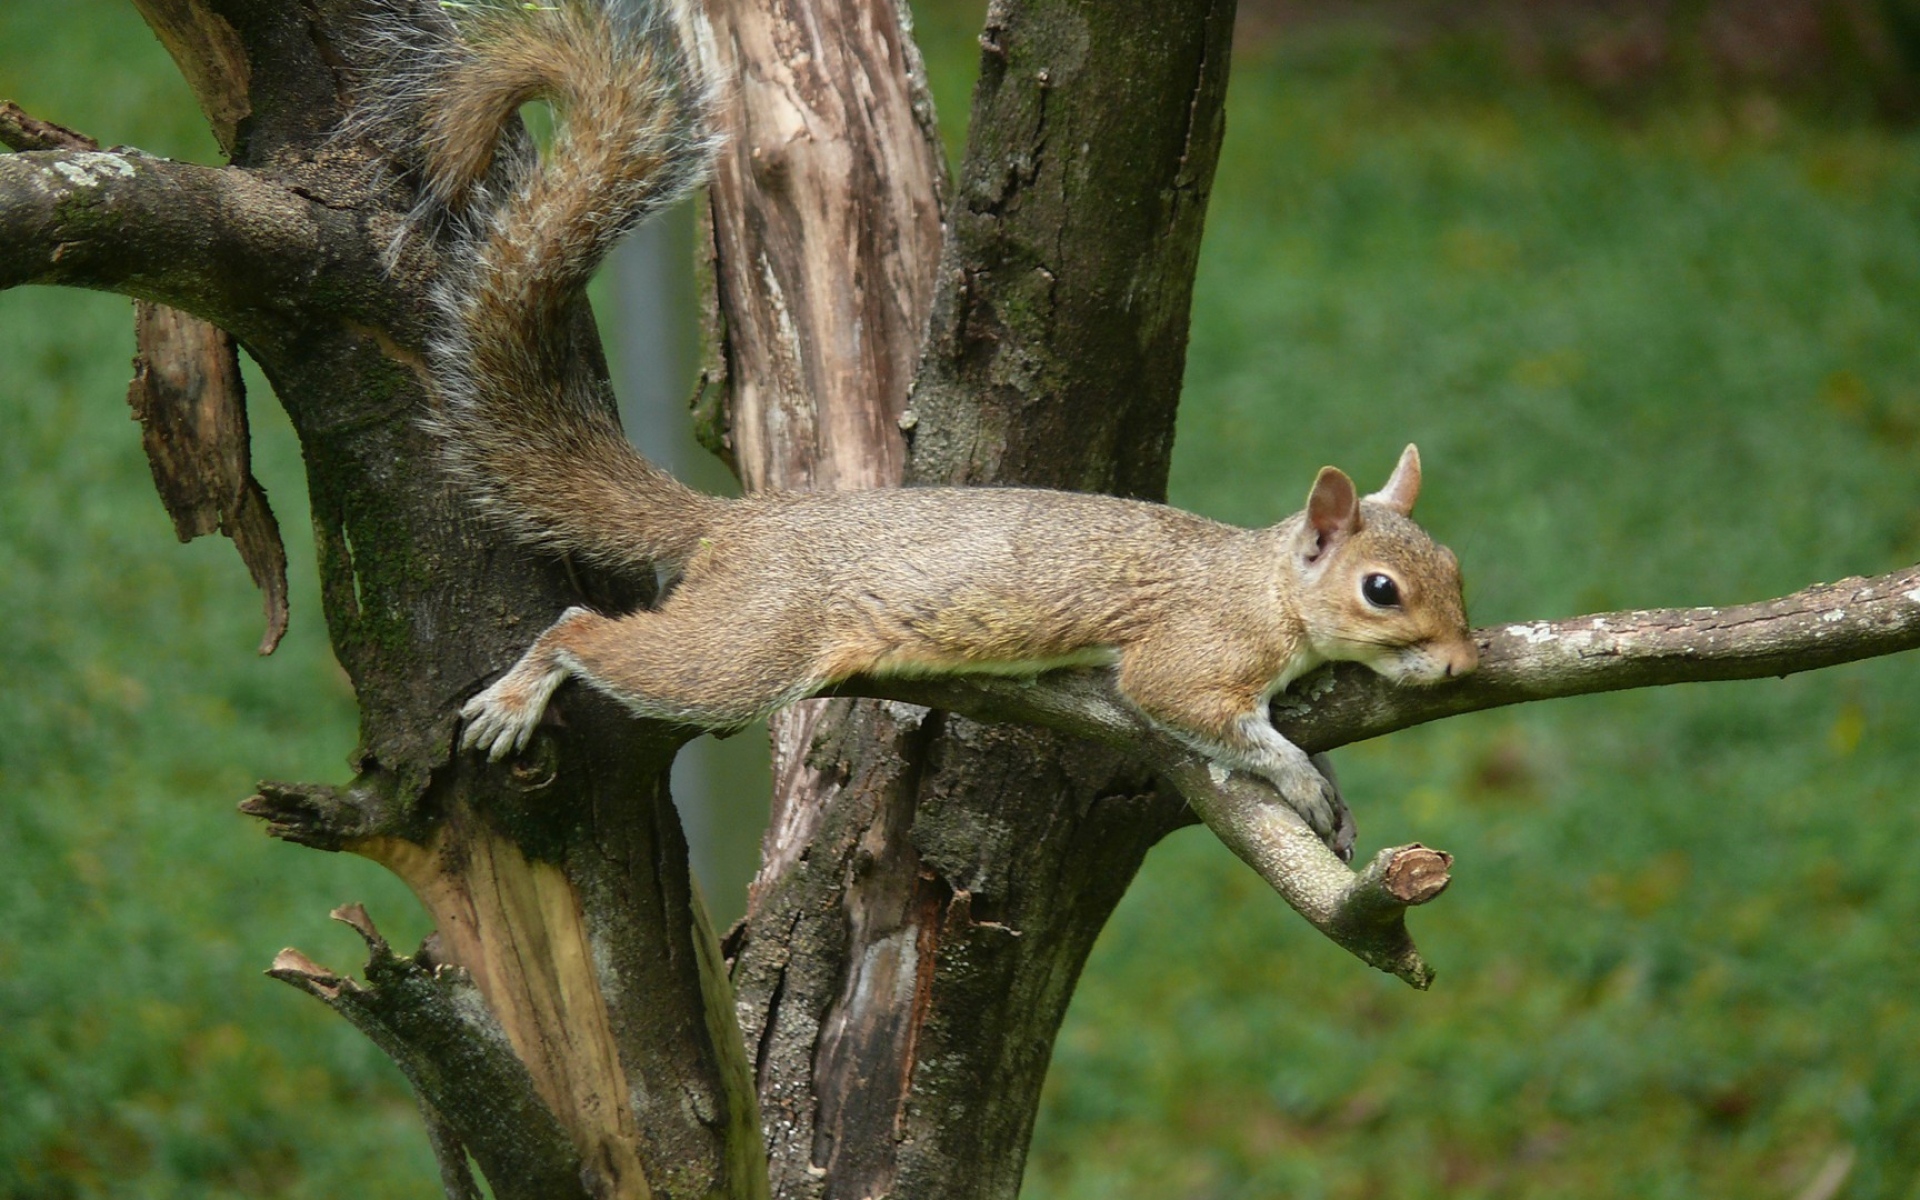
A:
{"x": 1404, "y": 487}
{"x": 1333, "y": 511}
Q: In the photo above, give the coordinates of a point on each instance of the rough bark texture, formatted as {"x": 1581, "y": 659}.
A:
{"x": 931, "y": 887}
{"x": 558, "y": 884}
{"x": 827, "y": 222}
{"x": 192, "y": 407}
{"x": 190, "y": 401}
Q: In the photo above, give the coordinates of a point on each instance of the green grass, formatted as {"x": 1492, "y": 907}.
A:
{"x": 142, "y": 1053}
{"x": 1664, "y": 363}
{"x": 1665, "y": 360}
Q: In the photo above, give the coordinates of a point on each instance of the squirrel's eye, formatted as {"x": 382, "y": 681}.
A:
{"x": 1380, "y": 591}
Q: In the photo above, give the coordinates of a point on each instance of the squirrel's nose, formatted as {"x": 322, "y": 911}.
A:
{"x": 1464, "y": 658}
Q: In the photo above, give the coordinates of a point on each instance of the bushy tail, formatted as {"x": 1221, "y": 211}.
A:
{"x": 524, "y": 425}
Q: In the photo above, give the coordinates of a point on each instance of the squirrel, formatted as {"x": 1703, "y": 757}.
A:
{"x": 778, "y": 595}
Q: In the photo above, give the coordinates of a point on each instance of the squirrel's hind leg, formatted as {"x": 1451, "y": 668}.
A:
{"x": 657, "y": 664}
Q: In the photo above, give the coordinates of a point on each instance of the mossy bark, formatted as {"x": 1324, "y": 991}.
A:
{"x": 568, "y": 1026}
{"x": 901, "y": 977}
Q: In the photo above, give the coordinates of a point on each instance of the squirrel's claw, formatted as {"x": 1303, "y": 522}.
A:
{"x": 1311, "y": 790}
{"x": 501, "y": 720}
{"x": 492, "y": 730}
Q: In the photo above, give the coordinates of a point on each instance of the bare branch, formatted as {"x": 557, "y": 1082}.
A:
{"x": 221, "y": 243}
{"x": 432, "y": 1023}
{"x": 1821, "y": 626}
{"x": 20, "y": 130}
{"x": 188, "y": 396}
{"x": 1360, "y": 912}
{"x": 1364, "y": 912}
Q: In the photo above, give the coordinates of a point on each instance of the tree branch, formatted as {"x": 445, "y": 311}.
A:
{"x": 431, "y": 1022}
{"x": 1821, "y": 626}
{"x": 221, "y": 243}
{"x": 188, "y": 396}
{"x": 21, "y": 130}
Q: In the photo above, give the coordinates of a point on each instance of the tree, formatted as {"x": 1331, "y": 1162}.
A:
{"x": 935, "y": 876}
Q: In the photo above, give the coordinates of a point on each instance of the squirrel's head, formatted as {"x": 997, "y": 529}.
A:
{"x": 1374, "y": 587}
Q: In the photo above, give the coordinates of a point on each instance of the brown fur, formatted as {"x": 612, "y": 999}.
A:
{"x": 780, "y": 595}
{"x": 788, "y": 593}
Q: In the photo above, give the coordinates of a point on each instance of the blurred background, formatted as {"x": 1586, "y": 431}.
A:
{"x": 1641, "y": 278}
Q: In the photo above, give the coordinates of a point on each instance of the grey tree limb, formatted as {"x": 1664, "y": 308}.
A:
{"x": 189, "y": 398}
{"x": 432, "y": 1022}
{"x": 1820, "y": 626}
{"x": 222, "y": 243}
{"x": 1824, "y": 625}
{"x": 900, "y": 983}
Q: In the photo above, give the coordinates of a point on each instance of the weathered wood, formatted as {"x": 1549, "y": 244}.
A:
{"x": 428, "y": 1019}
{"x": 190, "y": 401}
{"x": 21, "y": 130}
{"x": 932, "y": 886}
{"x": 826, "y": 227}
{"x": 558, "y": 884}
{"x": 935, "y": 883}
{"x": 212, "y": 57}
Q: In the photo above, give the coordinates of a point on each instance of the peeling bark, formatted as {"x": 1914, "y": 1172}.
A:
{"x": 930, "y": 887}
{"x": 192, "y": 407}
{"x": 211, "y": 55}
{"x": 188, "y": 396}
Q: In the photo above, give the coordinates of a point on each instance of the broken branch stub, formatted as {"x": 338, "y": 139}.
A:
{"x": 1364, "y": 913}
{"x": 433, "y": 1024}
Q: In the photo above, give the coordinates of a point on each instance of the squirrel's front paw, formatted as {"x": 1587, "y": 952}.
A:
{"x": 1316, "y": 797}
{"x": 501, "y": 720}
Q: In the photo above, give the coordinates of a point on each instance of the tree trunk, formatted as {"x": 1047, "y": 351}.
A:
{"x": 931, "y": 887}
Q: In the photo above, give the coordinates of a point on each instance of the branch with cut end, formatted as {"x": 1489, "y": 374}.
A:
{"x": 219, "y": 242}
{"x": 372, "y": 811}
{"x": 1361, "y": 912}
{"x": 1821, "y": 626}
{"x": 431, "y": 1020}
